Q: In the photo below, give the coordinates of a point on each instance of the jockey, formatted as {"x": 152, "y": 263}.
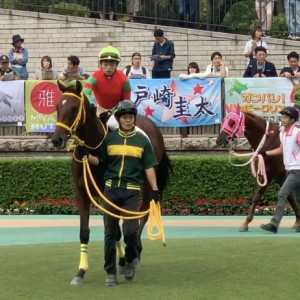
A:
{"x": 110, "y": 86}
{"x": 127, "y": 154}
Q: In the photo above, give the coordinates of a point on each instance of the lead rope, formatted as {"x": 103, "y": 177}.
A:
{"x": 153, "y": 211}
{"x": 261, "y": 170}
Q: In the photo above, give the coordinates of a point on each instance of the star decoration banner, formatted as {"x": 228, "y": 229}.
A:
{"x": 178, "y": 103}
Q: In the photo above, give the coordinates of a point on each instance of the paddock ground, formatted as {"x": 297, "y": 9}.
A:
{"x": 22, "y": 230}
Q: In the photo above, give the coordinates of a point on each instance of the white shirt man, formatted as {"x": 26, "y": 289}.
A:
{"x": 136, "y": 71}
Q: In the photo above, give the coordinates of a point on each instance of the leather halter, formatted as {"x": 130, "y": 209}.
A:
{"x": 80, "y": 118}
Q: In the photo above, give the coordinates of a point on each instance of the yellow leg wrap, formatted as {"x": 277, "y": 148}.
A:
{"x": 83, "y": 257}
{"x": 120, "y": 249}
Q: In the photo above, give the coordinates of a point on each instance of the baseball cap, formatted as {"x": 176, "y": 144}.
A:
{"x": 4, "y": 58}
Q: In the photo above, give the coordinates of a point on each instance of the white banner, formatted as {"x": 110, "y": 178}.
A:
{"x": 12, "y": 103}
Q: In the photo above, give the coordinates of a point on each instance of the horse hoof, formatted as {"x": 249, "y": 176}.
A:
{"x": 243, "y": 228}
{"x": 77, "y": 281}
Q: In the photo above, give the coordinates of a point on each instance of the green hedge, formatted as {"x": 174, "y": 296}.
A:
{"x": 213, "y": 177}
{"x": 195, "y": 177}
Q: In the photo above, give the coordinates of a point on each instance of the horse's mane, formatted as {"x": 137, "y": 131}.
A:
{"x": 258, "y": 118}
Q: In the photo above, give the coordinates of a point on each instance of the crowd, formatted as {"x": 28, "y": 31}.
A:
{"x": 14, "y": 65}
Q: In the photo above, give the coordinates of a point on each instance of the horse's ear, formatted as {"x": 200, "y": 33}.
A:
{"x": 227, "y": 107}
{"x": 78, "y": 87}
{"x": 61, "y": 87}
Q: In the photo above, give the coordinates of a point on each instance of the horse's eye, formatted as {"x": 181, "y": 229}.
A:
{"x": 231, "y": 123}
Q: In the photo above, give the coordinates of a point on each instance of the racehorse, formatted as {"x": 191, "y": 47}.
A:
{"x": 76, "y": 118}
{"x": 262, "y": 136}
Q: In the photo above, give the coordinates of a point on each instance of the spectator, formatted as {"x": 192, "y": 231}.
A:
{"x": 133, "y": 6}
{"x": 256, "y": 34}
{"x": 163, "y": 54}
{"x": 6, "y": 73}
{"x": 72, "y": 71}
{"x": 18, "y": 57}
{"x": 136, "y": 71}
{"x": 260, "y": 67}
{"x": 107, "y": 9}
{"x": 264, "y": 10}
{"x": 217, "y": 67}
{"x": 187, "y": 10}
{"x": 193, "y": 67}
{"x": 292, "y": 16}
{"x": 193, "y": 71}
{"x": 294, "y": 69}
{"x": 46, "y": 72}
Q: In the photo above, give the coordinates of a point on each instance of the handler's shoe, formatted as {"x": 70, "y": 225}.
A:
{"x": 111, "y": 280}
{"x": 129, "y": 271}
{"x": 269, "y": 227}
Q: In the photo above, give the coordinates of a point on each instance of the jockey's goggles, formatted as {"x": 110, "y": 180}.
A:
{"x": 109, "y": 56}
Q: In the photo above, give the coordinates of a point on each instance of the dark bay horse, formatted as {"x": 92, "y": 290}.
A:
{"x": 76, "y": 118}
{"x": 262, "y": 136}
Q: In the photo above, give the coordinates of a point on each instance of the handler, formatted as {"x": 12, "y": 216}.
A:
{"x": 290, "y": 148}
{"x": 127, "y": 154}
{"x": 110, "y": 86}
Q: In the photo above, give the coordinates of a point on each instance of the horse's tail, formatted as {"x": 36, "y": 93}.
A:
{"x": 163, "y": 172}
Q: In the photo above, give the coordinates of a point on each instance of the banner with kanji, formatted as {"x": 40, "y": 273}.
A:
{"x": 41, "y": 98}
{"x": 262, "y": 96}
{"x": 12, "y": 103}
{"x": 178, "y": 103}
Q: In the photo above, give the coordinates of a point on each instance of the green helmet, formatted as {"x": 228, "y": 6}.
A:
{"x": 109, "y": 53}
{"x": 125, "y": 107}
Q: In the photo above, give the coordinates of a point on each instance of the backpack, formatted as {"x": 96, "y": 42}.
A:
{"x": 129, "y": 67}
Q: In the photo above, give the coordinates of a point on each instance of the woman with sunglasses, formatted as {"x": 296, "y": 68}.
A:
{"x": 110, "y": 86}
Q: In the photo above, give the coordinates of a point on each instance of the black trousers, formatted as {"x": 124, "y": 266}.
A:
{"x": 129, "y": 200}
{"x": 161, "y": 74}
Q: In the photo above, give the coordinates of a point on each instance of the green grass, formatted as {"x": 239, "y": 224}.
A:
{"x": 207, "y": 268}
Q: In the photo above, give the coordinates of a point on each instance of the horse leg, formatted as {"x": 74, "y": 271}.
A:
{"x": 84, "y": 211}
{"x": 256, "y": 198}
{"x": 120, "y": 251}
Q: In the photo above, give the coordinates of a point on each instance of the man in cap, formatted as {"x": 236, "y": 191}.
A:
{"x": 18, "y": 57}
{"x": 6, "y": 73}
{"x": 127, "y": 154}
{"x": 290, "y": 148}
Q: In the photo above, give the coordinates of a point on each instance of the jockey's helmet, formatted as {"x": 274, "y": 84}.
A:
{"x": 290, "y": 112}
{"x": 109, "y": 53}
{"x": 125, "y": 107}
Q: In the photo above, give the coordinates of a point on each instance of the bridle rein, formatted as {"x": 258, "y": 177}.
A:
{"x": 238, "y": 131}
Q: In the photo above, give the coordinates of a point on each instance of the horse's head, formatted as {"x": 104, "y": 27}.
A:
{"x": 233, "y": 125}
{"x": 70, "y": 113}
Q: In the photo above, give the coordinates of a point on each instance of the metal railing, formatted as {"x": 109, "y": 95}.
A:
{"x": 233, "y": 16}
